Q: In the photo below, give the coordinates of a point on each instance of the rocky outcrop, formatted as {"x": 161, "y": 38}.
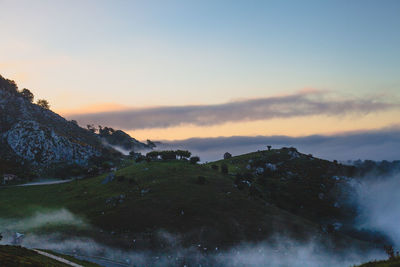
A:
{"x": 30, "y": 133}
{"x": 41, "y": 145}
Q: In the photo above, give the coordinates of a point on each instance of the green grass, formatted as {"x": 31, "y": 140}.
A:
{"x": 387, "y": 263}
{"x": 12, "y": 256}
{"x": 215, "y": 212}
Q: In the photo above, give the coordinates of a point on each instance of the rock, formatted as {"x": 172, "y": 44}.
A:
{"x": 260, "y": 170}
{"x": 109, "y": 178}
{"x": 271, "y": 167}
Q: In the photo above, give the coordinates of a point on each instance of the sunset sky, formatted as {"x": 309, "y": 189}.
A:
{"x": 180, "y": 69}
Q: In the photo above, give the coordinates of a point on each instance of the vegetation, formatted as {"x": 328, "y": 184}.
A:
{"x": 176, "y": 196}
{"x": 43, "y": 103}
{"x": 27, "y": 94}
{"x": 12, "y": 256}
{"x": 168, "y": 155}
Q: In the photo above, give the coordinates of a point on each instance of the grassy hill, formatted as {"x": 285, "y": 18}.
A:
{"x": 388, "y": 263}
{"x": 219, "y": 209}
{"x": 15, "y": 256}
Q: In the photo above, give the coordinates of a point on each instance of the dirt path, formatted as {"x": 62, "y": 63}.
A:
{"x": 57, "y": 258}
{"x": 46, "y": 182}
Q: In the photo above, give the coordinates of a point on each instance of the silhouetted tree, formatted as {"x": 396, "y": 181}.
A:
{"x": 27, "y": 94}
{"x": 227, "y": 155}
{"x": 43, "y": 103}
{"x": 183, "y": 154}
{"x": 194, "y": 160}
{"x": 269, "y": 148}
{"x": 91, "y": 128}
{"x": 389, "y": 251}
{"x": 8, "y": 85}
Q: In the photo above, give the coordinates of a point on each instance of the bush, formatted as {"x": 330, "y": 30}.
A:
{"x": 27, "y": 94}
{"x": 194, "y": 160}
{"x": 43, "y": 103}
{"x": 227, "y": 155}
{"x": 201, "y": 180}
{"x": 140, "y": 159}
{"x": 214, "y": 167}
{"x": 224, "y": 168}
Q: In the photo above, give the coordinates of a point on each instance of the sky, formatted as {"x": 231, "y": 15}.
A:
{"x": 169, "y": 70}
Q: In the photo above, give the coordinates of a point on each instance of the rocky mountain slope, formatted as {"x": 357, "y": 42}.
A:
{"x": 31, "y": 134}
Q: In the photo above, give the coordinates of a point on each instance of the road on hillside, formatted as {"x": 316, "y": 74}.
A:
{"x": 57, "y": 258}
{"x": 46, "y": 182}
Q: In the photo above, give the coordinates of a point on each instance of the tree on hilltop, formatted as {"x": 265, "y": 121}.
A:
{"x": 43, "y": 103}
{"x": 27, "y": 94}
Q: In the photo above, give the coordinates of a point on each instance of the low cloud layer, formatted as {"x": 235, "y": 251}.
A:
{"x": 279, "y": 251}
{"x": 380, "y": 144}
{"x": 40, "y": 219}
{"x": 289, "y": 106}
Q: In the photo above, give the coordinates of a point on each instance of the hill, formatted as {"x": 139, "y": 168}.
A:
{"x": 33, "y": 139}
{"x": 32, "y": 134}
{"x": 196, "y": 204}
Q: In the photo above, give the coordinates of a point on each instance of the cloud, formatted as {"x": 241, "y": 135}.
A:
{"x": 374, "y": 144}
{"x": 304, "y": 103}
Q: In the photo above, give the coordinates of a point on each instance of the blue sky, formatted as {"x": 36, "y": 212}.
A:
{"x": 156, "y": 53}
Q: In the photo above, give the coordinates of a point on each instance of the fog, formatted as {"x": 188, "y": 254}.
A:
{"x": 381, "y": 144}
{"x": 376, "y": 197}
{"x": 40, "y": 219}
{"x": 277, "y": 251}
{"x": 378, "y": 202}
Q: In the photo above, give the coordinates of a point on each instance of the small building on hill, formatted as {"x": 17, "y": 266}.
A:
{"x": 9, "y": 178}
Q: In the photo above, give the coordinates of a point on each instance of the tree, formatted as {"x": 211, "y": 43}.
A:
{"x": 91, "y": 128}
{"x": 269, "y": 148}
{"x": 43, "y": 103}
{"x": 194, "y": 160}
{"x": 227, "y": 155}
{"x": 27, "y": 95}
{"x": 183, "y": 154}
{"x": 8, "y": 85}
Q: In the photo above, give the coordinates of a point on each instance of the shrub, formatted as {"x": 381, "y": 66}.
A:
{"x": 140, "y": 159}
{"x": 194, "y": 160}
{"x": 27, "y": 94}
{"x": 43, "y": 103}
{"x": 227, "y": 155}
{"x": 214, "y": 167}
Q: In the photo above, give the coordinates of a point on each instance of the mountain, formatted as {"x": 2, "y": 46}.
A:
{"x": 31, "y": 134}
{"x": 121, "y": 140}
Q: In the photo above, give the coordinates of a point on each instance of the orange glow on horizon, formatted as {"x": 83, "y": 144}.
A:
{"x": 295, "y": 127}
